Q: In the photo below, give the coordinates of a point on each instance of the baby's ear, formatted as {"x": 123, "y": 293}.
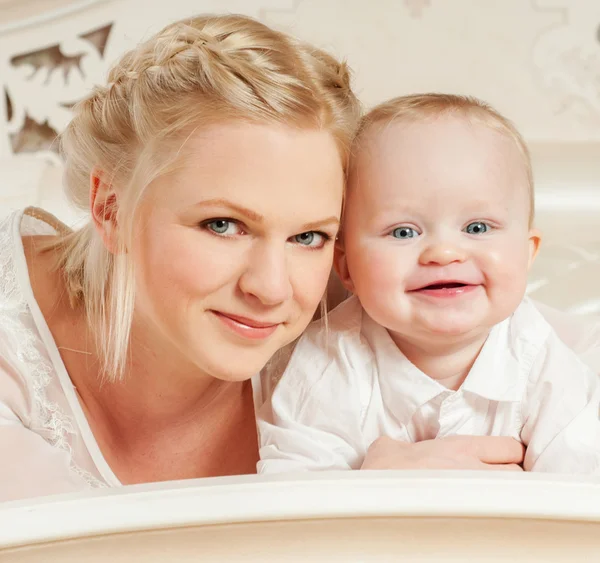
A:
{"x": 535, "y": 239}
{"x": 340, "y": 265}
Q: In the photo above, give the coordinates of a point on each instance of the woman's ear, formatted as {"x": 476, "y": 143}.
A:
{"x": 535, "y": 238}
{"x": 103, "y": 208}
{"x": 340, "y": 264}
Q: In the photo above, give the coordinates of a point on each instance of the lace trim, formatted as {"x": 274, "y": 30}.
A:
{"x": 8, "y": 277}
{"x": 56, "y": 425}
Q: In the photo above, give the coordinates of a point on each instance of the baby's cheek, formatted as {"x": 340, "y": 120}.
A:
{"x": 506, "y": 272}
{"x": 380, "y": 283}
{"x": 383, "y": 267}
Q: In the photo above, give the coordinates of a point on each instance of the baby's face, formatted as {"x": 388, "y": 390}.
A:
{"x": 436, "y": 232}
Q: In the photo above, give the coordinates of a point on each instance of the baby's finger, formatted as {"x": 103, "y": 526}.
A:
{"x": 496, "y": 449}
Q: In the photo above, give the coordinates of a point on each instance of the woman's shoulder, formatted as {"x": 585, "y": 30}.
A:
{"x": 18, "y": 231}
{"x": 26, "y": 372}
{"x": 10, "y": 294}
{"x": 16, "y": 392}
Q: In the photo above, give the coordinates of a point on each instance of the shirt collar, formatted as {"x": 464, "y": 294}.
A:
{"x": 501, "y": 371}
{"x": 496, "y": 375}
{"x": 404, "y": 387}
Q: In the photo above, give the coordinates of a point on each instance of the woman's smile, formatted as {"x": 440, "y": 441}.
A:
{"x": 248, "y": 328}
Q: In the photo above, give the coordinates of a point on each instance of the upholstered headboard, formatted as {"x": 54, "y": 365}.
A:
{"x": 53, "y": 51}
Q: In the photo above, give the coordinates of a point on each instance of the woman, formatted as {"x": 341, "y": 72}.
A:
{"x": 213, "y": 167}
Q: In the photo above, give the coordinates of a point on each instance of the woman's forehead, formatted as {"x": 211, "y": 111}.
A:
{"x": 266, "y": 169}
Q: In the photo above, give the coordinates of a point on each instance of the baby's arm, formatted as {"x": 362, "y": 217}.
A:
{"x": 313, "y": 419}
{"x": 562, "y": 425}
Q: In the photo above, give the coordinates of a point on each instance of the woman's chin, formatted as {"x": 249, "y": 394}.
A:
{"x": 235, "y": 364}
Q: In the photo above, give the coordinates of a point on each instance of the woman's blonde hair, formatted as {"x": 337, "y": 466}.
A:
{"x": 425, "y": 106}
{"x": 192, "y": 73}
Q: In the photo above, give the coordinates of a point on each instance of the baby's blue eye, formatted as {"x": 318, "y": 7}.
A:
{"x": 477, "y": 228}
{"x": 404, "y": 233}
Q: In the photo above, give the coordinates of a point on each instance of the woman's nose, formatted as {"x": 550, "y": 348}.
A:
{"x": 267, "y": 275}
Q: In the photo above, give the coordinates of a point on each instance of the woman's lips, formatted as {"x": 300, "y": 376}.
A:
{"x": 248, "y": 328}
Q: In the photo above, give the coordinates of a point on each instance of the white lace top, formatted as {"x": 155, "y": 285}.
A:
{"x": 46, "y": 444}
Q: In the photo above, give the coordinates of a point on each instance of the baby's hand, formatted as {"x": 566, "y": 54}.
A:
{"x": 452, "y": 452}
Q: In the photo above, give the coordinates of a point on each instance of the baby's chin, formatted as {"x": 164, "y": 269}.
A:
{"x": 450, "y": 328}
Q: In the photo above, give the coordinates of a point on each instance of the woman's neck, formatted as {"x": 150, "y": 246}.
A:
{"x": 158, "y": 423}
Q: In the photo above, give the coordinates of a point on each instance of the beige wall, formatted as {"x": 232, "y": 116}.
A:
{"x": 537, "y": 61}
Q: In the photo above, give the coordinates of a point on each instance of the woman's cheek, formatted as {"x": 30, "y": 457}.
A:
{"x": 206, "y": 261}
{"x": 310, "y": 277}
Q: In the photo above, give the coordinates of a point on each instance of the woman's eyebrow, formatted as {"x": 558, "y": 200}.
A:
{"x": 313, "y": 225}
{"x": 220, "y": 202}
{"x": 257, "y": 218}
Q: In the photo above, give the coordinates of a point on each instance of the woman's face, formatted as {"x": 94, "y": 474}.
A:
{"x": 233, "y": 249}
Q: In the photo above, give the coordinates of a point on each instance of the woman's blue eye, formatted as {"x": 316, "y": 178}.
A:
{"x": 223, "y": 227}
{"x": 310, "y": 238}
{"x": 477, "y": 228}
{"x": 404, "y": 233}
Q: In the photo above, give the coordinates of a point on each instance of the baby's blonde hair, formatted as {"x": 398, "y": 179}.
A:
{"x": 425, "y": 106}
{"x": 192, "y": 73}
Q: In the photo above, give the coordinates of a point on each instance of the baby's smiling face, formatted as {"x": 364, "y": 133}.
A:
{"x": 437, "y": 240}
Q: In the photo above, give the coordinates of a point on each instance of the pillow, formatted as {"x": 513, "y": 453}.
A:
{"x": 566, "y": 273}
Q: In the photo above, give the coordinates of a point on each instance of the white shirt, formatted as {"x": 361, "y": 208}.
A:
{"x": 46, "y": 444}
{"x": 348, "y": 384}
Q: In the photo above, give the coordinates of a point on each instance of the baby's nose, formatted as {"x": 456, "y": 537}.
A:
{"x": 442, "y": 253}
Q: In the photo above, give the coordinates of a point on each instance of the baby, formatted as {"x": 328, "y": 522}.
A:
{"x": 438, "y": 338}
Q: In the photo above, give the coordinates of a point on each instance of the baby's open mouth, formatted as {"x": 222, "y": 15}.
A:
{"x": 443, "y": 285}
